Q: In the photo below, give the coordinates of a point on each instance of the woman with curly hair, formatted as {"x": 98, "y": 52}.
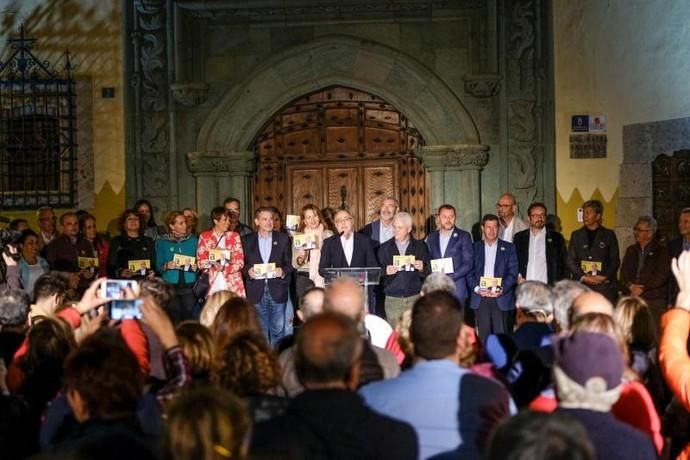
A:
{"x": 249, "y": 367}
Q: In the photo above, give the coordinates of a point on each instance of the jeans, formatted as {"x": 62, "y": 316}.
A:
{"x": 272, "y": 316}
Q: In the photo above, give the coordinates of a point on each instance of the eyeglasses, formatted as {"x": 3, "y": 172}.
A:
{"x": 499, "y": 205}
{"x": 343, "y": 220}
{"x": 538, "y": 215}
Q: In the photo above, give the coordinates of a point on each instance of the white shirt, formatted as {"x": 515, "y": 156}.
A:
{"x": 385, "y": 232}
{"x": 348, "y": 247}
{"x": 490, "y": 258}
{"x": 506, "y": 233}
{"x": 536, "y": 262}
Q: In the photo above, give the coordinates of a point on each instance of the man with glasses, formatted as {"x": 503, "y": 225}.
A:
{"x": 541, "y": 253}
{"x": 510, "y": 224}
{"x": 347, "y": 249}
{"x": 646, "y": 267}
{"x": 381, "y": 230}
{"x": 46, "y": 224}
{"x": 232, "y": 205}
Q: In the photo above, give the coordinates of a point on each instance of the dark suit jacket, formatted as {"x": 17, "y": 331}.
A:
{"x": 506, "y": 268}
{"x": 556, "y": 254}
{"x": 333, "y": 424}
{"x": 460, "y": 250}
{"x": 63, "y": 256}
{"x": 333, "y": 256}
{"x": 604, "y": 249}
{"x": 281, "y": 255}
{"x": 403, "y": 284}
{"x": 654, "y": 273}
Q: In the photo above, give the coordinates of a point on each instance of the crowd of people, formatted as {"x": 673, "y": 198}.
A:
{"x": 249, "y": 342}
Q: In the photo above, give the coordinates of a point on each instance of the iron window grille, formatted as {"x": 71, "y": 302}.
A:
{"x": 38, "y": 149}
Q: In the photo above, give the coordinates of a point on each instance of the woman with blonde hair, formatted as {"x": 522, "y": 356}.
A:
{"x": 212, "y": 305}
{"x": 207, "y": 424}
{"x": 306, "y": 260}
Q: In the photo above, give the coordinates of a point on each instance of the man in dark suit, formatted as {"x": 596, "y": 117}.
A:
{"x": 492, "y": 281}
{"x": 646, "y": 267}
{"x": 328, "y": 419}
{"x": 402, "y": 283}
{"x": 675, "y": 248}
{"x": 270, "y": 295}
{"x": 593, "y": 253}
{"x": 381, "y": 230}
{"x": 541, "y": 252}
{"x": 348, "y": 249}
{"x": 453, "y": 243}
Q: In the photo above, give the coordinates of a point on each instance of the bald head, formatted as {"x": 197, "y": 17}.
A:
{"x": 328, "y": 350}
{"x": 590, "y": 302}
{"x": 346, "y": 296}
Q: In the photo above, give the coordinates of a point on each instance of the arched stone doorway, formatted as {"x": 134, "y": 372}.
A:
{"x": 224, "y": 163}
{"x": 340, "y": 148}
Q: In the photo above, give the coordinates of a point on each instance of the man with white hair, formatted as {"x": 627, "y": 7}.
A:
{"x": 564, "y": 293}
{"x": 402, "y": 279}
{"x": 509, "y": 222}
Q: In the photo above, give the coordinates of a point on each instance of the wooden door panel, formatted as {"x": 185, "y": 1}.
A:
{"x": 342, "y": 189}
{"x": 378, "y": 184}
{"x": 341, "y": 139}
{"x": 307, "y": 187}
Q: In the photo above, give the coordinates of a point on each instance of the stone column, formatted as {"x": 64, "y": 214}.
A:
{"x": 455, "y": 178}
{"x": 220, "y": 175}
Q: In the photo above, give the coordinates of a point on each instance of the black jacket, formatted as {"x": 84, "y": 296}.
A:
{"x": 403, "y": 283}
{"x": 333, "y": 424}
{"x": 556, "y": 254}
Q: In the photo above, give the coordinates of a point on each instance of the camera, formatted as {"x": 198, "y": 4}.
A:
{"x": 9, "y": 243}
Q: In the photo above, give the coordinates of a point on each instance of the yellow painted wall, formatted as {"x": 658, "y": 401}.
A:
{"x": 628, "y": 60}
{"x": 91, "y": 30}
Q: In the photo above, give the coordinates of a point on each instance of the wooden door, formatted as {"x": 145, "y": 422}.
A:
{"x": 670, "y": 191}
{"x": 358, "y": 187}
{"x": 340, "y": 147}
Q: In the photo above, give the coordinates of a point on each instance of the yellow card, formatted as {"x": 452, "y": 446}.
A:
{"x": 87, "y": 262}
{"x": 442, "y": 265}
{"x": 489, "y": 283}
{"x": 182, "y": 260}
{"x": 591, "y": 267}
{"x": 137, "y": 265}
{"x": 404, "y": 263}
{"x": 304, "y": 240}
{"x": 216, "y": 255}
{"x": 265, "y": 271}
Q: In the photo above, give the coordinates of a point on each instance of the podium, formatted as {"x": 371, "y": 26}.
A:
{"x": 367, "y": 277}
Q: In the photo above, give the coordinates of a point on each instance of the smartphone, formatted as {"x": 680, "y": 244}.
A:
{"x": 125, "y": 309}
{"x": 115, "y": 289}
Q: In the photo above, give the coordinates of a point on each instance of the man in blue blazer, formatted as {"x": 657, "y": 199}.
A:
{"x": 495, "y": 260}
{"x": 381, "y": 230}
{"x": 269, "y": 295}
{"x": 451, "y": 242}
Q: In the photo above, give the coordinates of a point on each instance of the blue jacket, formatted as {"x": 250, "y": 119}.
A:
{"x": 506, "y": 268}
{"x": 460, "y": 250}
{"x": 165, "y": 251}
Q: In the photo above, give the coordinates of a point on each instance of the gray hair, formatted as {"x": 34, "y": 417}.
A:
{"x": 564, "y": 292}
{"x": 534, "y": 297}
{"x": 14, "y": 307}
{"x": 405, "y": 218}
{"x": 438, "y": 282}
{"x": 649, "y": 220}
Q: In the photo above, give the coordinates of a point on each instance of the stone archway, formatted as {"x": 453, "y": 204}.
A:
{"x": 453, "y": 155}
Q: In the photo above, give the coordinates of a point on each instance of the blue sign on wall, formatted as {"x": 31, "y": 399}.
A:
{"x": 579, "y": 124}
